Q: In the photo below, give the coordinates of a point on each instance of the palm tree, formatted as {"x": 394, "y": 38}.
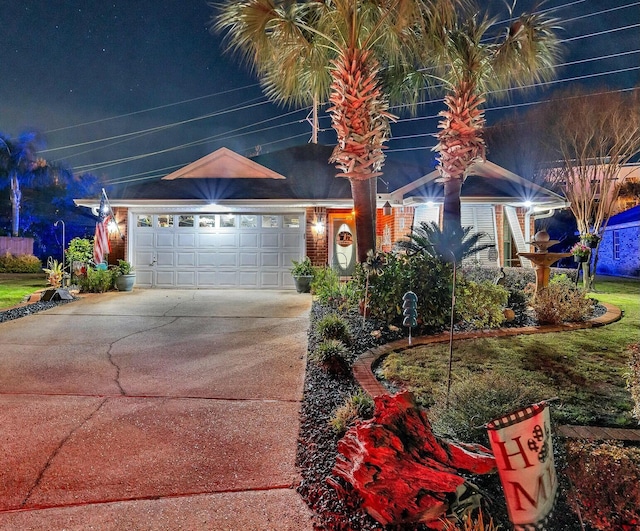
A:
{"x": 307, "y": 52}
{"x": 20, "y": 164}
{"x": 444, "y": 244}
{"x": 470, "y": 65}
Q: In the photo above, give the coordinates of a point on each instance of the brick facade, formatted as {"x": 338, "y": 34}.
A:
{"x": 317, "y": 244}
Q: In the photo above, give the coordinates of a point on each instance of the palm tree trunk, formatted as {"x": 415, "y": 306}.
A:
{"x": 365, "y": 217}
{"x": 16, "y": 196}
{"x": 451, "y": 220}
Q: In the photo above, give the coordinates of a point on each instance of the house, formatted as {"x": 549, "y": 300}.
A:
{"x": 619, "y": 251}
{"x": 230, "y": 221}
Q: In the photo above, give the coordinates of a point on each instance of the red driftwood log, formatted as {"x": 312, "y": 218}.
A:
{"x": 400, "y": 469}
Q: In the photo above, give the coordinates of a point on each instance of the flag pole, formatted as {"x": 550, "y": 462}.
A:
{"x": 113, "y": 216}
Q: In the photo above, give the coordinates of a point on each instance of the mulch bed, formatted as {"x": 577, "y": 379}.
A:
{"x": 323, "y": 394}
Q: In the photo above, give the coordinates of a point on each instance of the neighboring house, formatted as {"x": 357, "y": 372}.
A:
{"x": 229, "y": 221}
{"x": 619, "y": 252}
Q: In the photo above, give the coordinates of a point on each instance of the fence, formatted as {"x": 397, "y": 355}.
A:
{"x": 16, "y": 246}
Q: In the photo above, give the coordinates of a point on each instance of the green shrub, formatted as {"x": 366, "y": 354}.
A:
{"x": 633, "y": 379}
{"x": 480, "y": 303}
{"x": 606, "y": 481}
{"x": 518, "y": 302}
{"x": 561, "y": 302}
{"x": 24, "y": 263}
{"x": 333, "y": 355}
{"x": 514, "y": 277}
{"x": 357, "y": 406}
{"x": 96, "y": 281}
{"x": 325, "y": 286}
{"x": 332, "y": 326}
{"x": 427, "y": 277}
{"x": 477, "y": 398}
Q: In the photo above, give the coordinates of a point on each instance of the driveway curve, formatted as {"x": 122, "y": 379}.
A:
{"x": 155, "y": 409}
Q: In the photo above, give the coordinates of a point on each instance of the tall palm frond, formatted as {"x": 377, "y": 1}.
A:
{"x": 444, "y": 244}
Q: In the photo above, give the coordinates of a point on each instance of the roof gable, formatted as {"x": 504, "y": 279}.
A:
{"x": 223, "y": 164}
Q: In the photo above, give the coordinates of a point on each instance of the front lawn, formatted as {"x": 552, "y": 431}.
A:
{"x": 15, "y": 286}
{"x": 584, "y": 368}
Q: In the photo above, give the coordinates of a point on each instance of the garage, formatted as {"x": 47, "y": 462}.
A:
{"x": 216, "y": 250}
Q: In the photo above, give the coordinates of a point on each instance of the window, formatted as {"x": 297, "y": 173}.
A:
{"x": 207, "y": 222}
{"x": 616, "y": 245}
{"x": 248, "y": 222}
{"x": 144, "y": 220}
{"x": 185, "y": 221}
{"x": 165, "y": 220}
{"x": 292, "y": 222}
{"x": 269, "y": 222}
{"x": 227, "y": 220}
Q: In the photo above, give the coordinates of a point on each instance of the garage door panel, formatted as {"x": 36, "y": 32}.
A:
{"x": 249, "y": 259}
{"x": 206, "y": 279}
{"x": 288, "y": 257}
{"x": 227, "y": 278}
{"x": 291, "y": 241}
{"x": 143, "y": 258}
{"x": 164, "y": 239}
{"x": 186, "y": 259}
{"x": 144, "y": 239}
{"x": 206, "y": 259}
{"x": 270, "y": 240}
{"x": 248, "y": 279}
{"x": 144, "y": 278}
{"x": 227, "y": 240}
{"x": 227, "y": 259}
{"x": 270, "y": 259}
{"x": 187, "y": 240}
{"x": 165, "y": 279}
{"x": 186, "y": 279}
{"x": 269, "y": 279}
{"x": 206, "y": 240}
{"x": 249, "y": 240}
{"x": 165, "y": 259}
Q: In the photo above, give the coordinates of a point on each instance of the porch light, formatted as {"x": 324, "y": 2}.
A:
{"x": 318, "y": 227}
{"x": 386, "y": 208}
{"x": 112, "y": 226}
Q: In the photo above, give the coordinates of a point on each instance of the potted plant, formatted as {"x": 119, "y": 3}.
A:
{"x": 590, "y": 240}
{"x": 124, "y": 277}
{"x": 580, "y": 252}
{"x": 302, "y": 273}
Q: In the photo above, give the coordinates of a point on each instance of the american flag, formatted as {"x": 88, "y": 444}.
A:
{"x": 101, "y": 243}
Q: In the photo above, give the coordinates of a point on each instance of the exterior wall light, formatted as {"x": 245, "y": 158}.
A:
{"x": 386, "y": 209}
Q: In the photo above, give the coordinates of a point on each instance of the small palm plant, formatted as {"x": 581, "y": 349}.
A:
{"x": 55, "y": 273}
{"x": 448, "y": 244}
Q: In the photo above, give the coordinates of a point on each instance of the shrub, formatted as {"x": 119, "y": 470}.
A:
{"x": 24, "y": 263}
{"x": 427, "y": 277}
{"x": 518, "y": 302}
{"x": 561, "y": 302}
{"x": 332, "y": 354}
{"x": 480, "y": 303}
{"x": 515, "y": 277}
{"x": 332, "y": 326}
{"x": 606, "y": 480}
{"x": 357, "y": 406}
{"x": 477, "y": 398}
{"x": 96, "y": 281}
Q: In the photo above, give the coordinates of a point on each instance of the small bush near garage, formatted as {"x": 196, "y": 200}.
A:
{"x": 332, "y": 355}
{"x": 358, "y": 406}
{"x": 24, "y": 263}
{"x": 96, "y": 281}
{"x": 333, "y": 326}
{"x": 606, "y": 482}
{"x": 480, "y": 304}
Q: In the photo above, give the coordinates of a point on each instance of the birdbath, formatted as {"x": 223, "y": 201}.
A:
{"x": 542, "y": 258}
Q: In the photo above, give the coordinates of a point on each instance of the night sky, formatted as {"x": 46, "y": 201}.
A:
{"x": 134, "y": 89}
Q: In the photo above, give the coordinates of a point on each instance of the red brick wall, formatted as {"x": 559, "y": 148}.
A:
{"x": 119, "y": 245}
{"x": 317, "y": 248}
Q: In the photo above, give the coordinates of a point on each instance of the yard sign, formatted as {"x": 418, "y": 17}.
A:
{"x": 521, "y": 443}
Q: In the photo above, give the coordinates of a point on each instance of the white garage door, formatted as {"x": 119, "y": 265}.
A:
{"x": 216, "y": 250}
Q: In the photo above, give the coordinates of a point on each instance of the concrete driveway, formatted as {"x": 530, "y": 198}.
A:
{"x": 155, "y": 409}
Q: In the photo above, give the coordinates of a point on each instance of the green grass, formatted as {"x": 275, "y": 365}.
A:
{"x": 584, "y": 368}
{"x": 14, "y": 287}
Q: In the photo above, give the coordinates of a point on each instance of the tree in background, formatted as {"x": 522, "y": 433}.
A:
{"x": 314, "y": 51}
{"x": 594, "y": 135}
{"x": 19, "y": 164}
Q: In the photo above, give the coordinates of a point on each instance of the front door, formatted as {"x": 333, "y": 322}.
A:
{"x": 343, "y": 248}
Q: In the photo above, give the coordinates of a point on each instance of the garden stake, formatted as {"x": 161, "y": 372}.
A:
{"x": 453, "y": 303}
